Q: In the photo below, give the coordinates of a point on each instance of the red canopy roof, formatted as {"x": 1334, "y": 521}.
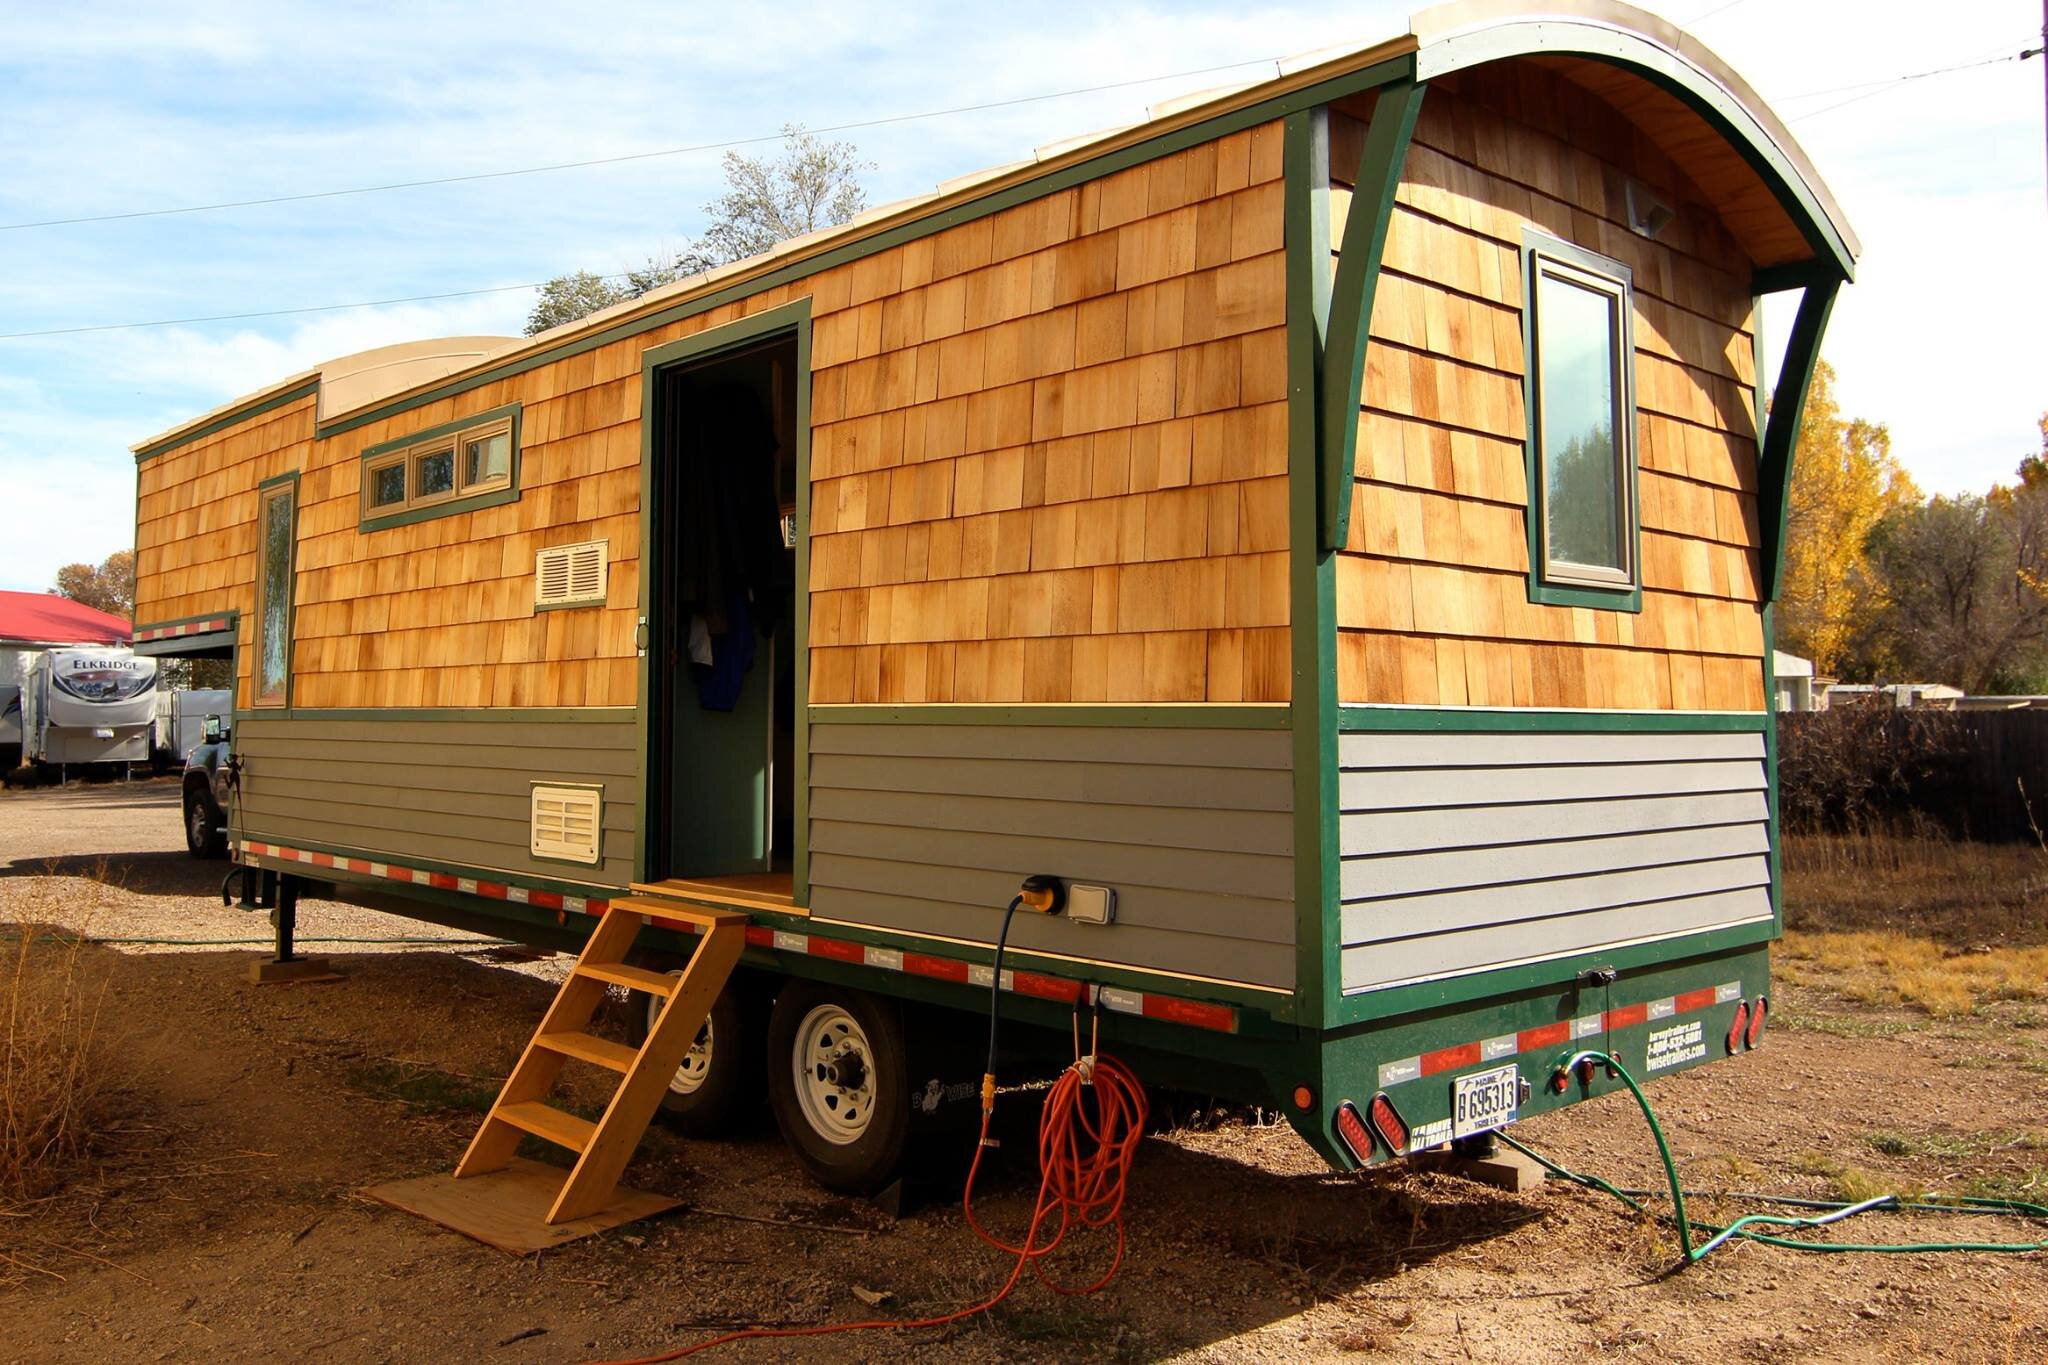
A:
{"x": 47, "y": 619}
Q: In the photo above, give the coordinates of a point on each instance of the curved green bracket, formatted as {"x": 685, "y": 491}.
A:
{"x": 1781, "y": 429}
{"x": 1358, "y": 272}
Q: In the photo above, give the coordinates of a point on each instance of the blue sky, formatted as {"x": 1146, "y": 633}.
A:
{"x": 114, "y": 108}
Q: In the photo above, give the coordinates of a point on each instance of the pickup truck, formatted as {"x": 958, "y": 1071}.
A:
{"x": 210, "y": 775}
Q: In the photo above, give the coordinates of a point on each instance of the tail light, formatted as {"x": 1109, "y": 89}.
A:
{"x": 1388, "y": 1124}
{"x": 1756, "y": 1021}
{"x": 1352, "y": 1129}
{"x": 1737, "y": 1027}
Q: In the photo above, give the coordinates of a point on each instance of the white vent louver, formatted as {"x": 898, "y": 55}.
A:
{"x": 565, "y": 822}
{"x": 569, "y": 575}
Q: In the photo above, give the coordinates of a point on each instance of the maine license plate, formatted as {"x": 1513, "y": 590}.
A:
{"x": 1485, "y": 1100}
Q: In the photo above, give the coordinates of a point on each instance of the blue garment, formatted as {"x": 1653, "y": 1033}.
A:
{"x": 732, "y": 656}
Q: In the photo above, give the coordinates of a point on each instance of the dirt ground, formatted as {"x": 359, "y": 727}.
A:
{"x": 224, "y": 1221}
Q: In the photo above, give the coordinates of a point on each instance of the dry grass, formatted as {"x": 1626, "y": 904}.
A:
{"x": 57, "y": 1081}
{"x": 1890, "y": 968}
{"x": 1959, "y": 892}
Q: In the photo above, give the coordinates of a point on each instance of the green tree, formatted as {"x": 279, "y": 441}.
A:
{"x": 813, "y": 185}
{"x": 1965, "y": 588}
{"x": 109, "y": 586}
{"x": 1844, "y": 482}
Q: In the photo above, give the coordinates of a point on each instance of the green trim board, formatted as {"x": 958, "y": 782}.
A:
{"x": 496, "y": 497}
{"x": 1723, "y": 110}
{"x": 1060, "y": 178}
{"x": 178, "y": 645}
{"x": 1192, "y": 715}
{"x": 1537, "y": 246}
{"x": 794, "y": 320}
{"x": 1312, "y": 578}
{"x": 234, "y": 417}
{"x": 1405, "y": 719}
{"x": 1781, "y": 431}
{"x": 1342, "y": 371}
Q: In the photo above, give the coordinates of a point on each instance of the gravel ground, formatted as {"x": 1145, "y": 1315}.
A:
{"x": 222, "y": 1219}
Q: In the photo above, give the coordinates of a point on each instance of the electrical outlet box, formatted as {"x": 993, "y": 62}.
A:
{"x": 1091, "y": 904}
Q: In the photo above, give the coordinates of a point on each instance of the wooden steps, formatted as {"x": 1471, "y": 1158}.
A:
{"x": 546, "y": 1121}
{"x": 603, "y": 1148}
{"x": 585, "y": 1048}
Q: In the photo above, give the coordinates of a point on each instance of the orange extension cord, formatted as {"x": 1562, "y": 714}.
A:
{"x": 1084, "y": 1163}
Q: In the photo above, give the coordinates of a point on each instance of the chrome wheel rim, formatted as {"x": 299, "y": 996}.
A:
{"x": 195, "y": 823}
{"x": 835, "y": 1074}
{"x": 696, "y": 1063}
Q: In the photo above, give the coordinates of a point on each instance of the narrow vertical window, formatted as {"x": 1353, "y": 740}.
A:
{"x": 274, "y": 544}
{"x": 1580, "y": 392}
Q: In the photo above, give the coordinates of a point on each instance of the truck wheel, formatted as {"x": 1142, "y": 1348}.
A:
{"x": 838, "y": 1081}
{"x": 204, "y": 837}
{"x": 718, "y": 1083}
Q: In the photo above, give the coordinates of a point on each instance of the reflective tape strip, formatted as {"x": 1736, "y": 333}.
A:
{"x": 1171, "y": 1009}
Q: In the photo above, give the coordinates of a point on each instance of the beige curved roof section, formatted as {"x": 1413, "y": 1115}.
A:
{"x": 361, "y": 379}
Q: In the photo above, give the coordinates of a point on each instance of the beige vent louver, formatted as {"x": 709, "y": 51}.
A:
{"x": 565, "y": 822}
{"x": 569, "y": 575}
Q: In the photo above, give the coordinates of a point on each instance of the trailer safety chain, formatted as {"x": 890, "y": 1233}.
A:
{"x": 1084, "y": 1162}
{"x": 1834, "y": 1211}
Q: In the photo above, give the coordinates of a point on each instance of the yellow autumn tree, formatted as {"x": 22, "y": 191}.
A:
{"x": 1844, "y": 480}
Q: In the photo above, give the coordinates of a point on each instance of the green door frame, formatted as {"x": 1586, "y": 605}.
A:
{"x": 793, "y": 320}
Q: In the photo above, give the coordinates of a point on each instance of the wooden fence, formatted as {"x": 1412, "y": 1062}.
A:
{"x": 1977, "y": 774}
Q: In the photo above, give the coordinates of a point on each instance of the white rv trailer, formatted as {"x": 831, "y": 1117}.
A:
{"x": 181, "y": 717}
{"x": 88, "y": 705}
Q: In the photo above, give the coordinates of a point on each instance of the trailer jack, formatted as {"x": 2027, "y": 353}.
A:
{"x": 287, "y": 966}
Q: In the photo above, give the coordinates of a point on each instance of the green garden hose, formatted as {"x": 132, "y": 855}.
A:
{"x": 1835, "y": 1211}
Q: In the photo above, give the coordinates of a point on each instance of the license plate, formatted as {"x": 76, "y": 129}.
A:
{"x": 1485, "y": 1100}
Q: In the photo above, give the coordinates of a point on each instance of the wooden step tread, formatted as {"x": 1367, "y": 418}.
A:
{"x": 636, "y": 978}
{"x": 546, "y": 1121}
{"x": 586, "y": 1048}
{"x": 707, "y": 916}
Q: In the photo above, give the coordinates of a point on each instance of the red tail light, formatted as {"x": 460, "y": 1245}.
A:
{"x": 1352, "y": 1129}
{"x": 1388, "y": 1124}
{"x": 1737, "y": 1026}
{"x": 1756, "y": 1021}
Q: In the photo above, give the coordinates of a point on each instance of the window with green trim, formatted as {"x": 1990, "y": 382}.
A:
{"x": 452, "y": 468}
{"x": 1580, "y": 388}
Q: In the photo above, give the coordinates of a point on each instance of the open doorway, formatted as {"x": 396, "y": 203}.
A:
{"x": 722, "y": 621}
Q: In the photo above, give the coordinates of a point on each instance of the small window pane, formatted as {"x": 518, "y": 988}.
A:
{"x": 274, "y": 645}
{"x": 387, "y": 485}
{"x": 1584, "y": 492}
{"x": 434, "y": 474}
{"x": 488, "y": 459}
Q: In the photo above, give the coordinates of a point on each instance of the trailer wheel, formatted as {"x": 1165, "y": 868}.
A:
{"x": 204, "y": 837}
{"x": 718, "y": 1083}
{"x": 838, "y": 1081}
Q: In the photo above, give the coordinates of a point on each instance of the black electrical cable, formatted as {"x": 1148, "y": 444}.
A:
{"x": 995, "y": 982}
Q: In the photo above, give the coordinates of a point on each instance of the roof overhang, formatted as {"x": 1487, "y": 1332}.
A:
{"x": 1468, "y": 33}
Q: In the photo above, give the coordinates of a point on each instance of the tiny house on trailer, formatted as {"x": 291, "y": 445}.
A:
{"x": 1332, "y": 525}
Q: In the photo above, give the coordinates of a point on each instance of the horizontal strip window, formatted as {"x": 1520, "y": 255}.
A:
{"x": 456, "y": 467}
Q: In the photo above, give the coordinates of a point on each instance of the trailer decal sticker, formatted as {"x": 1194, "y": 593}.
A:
{"x": 1678, "y": 1044}
{"x": 1063, "y": 990}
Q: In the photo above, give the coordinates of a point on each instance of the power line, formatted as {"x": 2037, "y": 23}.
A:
{"x": 625, "y": 157}
{"x": 280, "y": 312}
{"x": 1897, "y": 81}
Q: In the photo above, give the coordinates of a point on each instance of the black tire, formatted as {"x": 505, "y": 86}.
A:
{"x": 205, "y": 836}
{"x": 718, "y": 1088}
{"x": 848, "y": 1126}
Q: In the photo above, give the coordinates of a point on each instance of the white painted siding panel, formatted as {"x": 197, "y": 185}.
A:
{"x": 1469, "y": 850}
